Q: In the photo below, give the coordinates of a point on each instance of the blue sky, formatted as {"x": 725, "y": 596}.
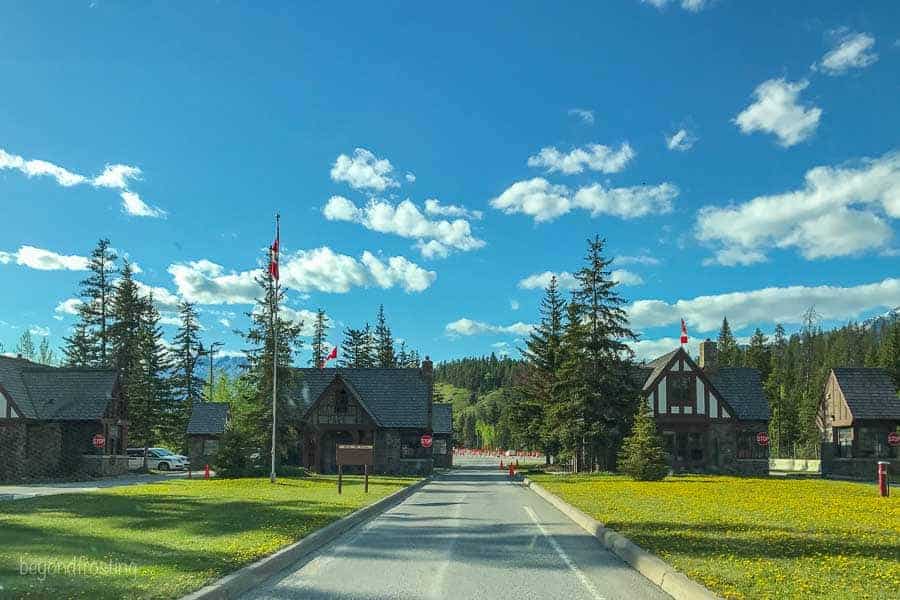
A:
{"x": 740, "y": 158}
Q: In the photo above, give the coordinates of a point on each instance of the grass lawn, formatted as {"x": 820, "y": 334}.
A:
{"x": 754, "y": 537}
{"x": 166, "y": 539}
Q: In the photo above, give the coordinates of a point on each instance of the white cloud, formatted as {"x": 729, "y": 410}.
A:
{"x": 625, "y": 277}
{"x": 514, "y": 304}
{"x": 537, "y": 198}
{"x": 170, "y": 319}
{"x": 682, "y": 140}
{"x": 226, "y": 323}
{"x": 134, "y": 206}
{"x": 40, "y": 168}
{"x": 205, "y": 282}
{"x": 398, "y": 272}
{"x": 162, "y": 297}
{"x": 68, "y": 307}
{"x": 435, "y": 208}
{"x": 410, "y": 177}
{"x": 44, "y": 260}
{"x": 468, "y": 327}
{"x": 435, "y": 238}
{"x": 595, "y": 157}
{"x": 296, "y": 317}
{"x": 364, "y": 170}
{"x": 839, "y": 211}
{"x": 852, "y": 52}
{"x": 116, "y": 176}
{"x": 567, "y": 281}
{"x": 647, "y": 350}
{"x": 688, "y": 5}
{"x": 39, "y": 330}
{"x": 628, "y": 202}
{"x": 642, "y": 259}
{"x": 776, "y": 110}
{"x": 586, "y": 116}
{"x": 769, "y": 305}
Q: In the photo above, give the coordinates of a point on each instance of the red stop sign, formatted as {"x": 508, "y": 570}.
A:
{"x": 894, "y": 438}
{"x": 99, "y": 441}
{"x": 426, "y": 440}
{"x": 762, "y": 438}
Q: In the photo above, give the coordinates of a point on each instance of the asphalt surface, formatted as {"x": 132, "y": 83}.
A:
{"x": 31, "y": 490}
{"x": 470, "y": 533}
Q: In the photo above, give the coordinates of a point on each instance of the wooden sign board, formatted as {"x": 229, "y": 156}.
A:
{"x": 355, "y": 454}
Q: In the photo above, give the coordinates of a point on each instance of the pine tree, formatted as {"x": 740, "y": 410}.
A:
{"x": 25, "y": 347}
{"x": 758, "y": 355}
{"x": 384, "y": 342}
{"x": 353, "y": 348}
{"x": 161, "y": 408}
{"x": 729, "y": 355}
{"x": 95, "y": 310}
{"x": 642, "y": 456}
{"x": 45, "y": 352}
{"x": 889, "y": 351}
{"x": 402, "y": 355}
{"x": 187, "y": 385}
{"x": 369, "y": 355}
{"x": 319, "y": 339}
{"x": 78, "y": 349}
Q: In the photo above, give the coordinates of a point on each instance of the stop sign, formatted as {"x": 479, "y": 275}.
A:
{"x": 426, "y": 440}
{"x": 99, "y": 441}
{"x": 762, "y": 438}
{"x": 894, "y": 438}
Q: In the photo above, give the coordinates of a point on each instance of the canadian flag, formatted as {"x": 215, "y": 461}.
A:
{"x": 331, "y": 356}
{"x": 273, "y": 251}
{"x": 684, "y": 336}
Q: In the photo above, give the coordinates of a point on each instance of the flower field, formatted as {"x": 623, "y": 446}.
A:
{"x": 754, "y": 537}
{"x": 163, "y": 540}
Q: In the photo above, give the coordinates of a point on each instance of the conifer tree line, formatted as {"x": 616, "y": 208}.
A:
{"x": 370, "y": 347}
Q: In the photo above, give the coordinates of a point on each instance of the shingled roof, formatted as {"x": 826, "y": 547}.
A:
{"x": 870, "y": 393}
{"x": 442, "y": 418}
{"x": 394, "y": 397}
{"x": 57, "y": 394}
{"x": 657, "y": 365}
{"x": 742, "y": 389}
{"x": 208, "y": 418}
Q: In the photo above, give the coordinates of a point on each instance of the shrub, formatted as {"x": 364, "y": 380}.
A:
{"x": 237, "y": 457}
{"x": 642, "y": 456}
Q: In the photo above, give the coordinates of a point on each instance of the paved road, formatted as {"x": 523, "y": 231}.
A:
{"x": 471, "y": 533}
{"x": 30, "y": 490}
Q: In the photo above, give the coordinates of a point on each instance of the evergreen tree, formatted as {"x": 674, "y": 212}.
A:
{"x": 161, "y": 408}
{"x": 353, "y": 348}
{"x": 25, "y": 347}
{"x": 186, "y": 384}
{"x": 369, "y": 355}
{"x": 758, "y": 354}
{"x": 78, "y": 350}
{"x": 642, "y": 456}
{"x": 45, "y": 352}
{"x": 889, "y": 351}
{"x": 729, "y": 354}
{"x": 319, "y": 342}
{"x": 97, "y": 292}
{"x": 402, "y": 355}
{"x": 384, "y": 342}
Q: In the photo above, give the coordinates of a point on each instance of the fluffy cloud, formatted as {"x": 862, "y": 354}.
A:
{"x": 44, "y": 260}
{"x": 839, "y": 211}
{"x": 769, "y": 305}
{"x": 544, "y": 201}
{"x": 163, "y": 298}
{"x": 410, "y": 177}
{"x": 205, "y": 282}
{"x": 364, "y": 170}
{"x": 586, "y": 116}
{"x": 435, "y": 208}
{"x": 688, "y": 5}
{"x": 647, "y": 350}
{"x": 642, "y": 259}
{"x": 776, "y": 110}
{"x": 435, "y": 238}
{"x": 682, "y": 140}
{"x": 595, "y": 157}
{"x": 39, "y": 330}
{"x": 853, "y": 51}
{"x": 567, "y": 281}
{"x": 68, "y": 307}
{"x": 114, "y": 176}
{"x": 468, "y": 327}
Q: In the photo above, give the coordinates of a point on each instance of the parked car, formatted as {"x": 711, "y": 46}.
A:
{"x": 159, "y": 459}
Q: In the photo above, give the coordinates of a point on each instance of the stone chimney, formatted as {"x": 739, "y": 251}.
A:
{"x": 428, "y": 368}
{"x": 709, "y": 359}
{"x": 428, "y": 374}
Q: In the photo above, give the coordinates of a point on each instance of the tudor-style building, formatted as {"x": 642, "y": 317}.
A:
{"x": 709, "y": 416}
{"x": 49, "y": 416}
{"x": 388, "y": 408}
{"x": 205, "y": 429}
{"x": 859, "y": 409}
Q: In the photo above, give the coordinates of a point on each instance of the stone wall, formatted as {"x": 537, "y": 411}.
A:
{"x": 388, "y": 460}
{"x": 104, "y": 465}
{"x": 859, "y": 469}
{"x": 12, "y": 442}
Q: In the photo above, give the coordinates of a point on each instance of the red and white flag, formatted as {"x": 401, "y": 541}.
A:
{"x": 331, "y": 356}
{"x": 273, "y": 251}
{"x": 684, "y": 336}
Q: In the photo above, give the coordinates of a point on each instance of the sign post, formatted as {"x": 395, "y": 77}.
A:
{"x": 354, "y": 454}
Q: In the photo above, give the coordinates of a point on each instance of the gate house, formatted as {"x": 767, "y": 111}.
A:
{"x": 388, "y": 408}
{"x": 709, "y": 416}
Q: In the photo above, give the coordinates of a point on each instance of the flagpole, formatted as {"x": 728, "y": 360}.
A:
{"x": 275, "y": 344}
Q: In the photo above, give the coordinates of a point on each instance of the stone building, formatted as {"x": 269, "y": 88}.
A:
{"x": 388, "y": 408}
{"x": 442, "y": 423}
{"x": 709, "y": 416}
{"x": 204, "y": 432}
{"x": 49, "y": 417}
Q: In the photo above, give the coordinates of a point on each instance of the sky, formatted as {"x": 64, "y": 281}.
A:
{"x": 740, "y": 159}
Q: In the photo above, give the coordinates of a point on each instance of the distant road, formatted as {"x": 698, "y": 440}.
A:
{"x": 469, "y": 534}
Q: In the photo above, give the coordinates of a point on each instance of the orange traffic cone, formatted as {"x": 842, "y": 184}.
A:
{"x": 512, "y": 471}
{"x": 501, "y": 464}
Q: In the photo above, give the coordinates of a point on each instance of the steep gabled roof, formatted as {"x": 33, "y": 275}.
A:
{"x": 657, "y": 366}
{"x": 57, "y": 394}
{"x": 742, "y": 389}
{"x": 442, "y": 418}
{"x": 394, "y": 397}
{"x": 208, "y": 418}
{"x": 870, "y": 393}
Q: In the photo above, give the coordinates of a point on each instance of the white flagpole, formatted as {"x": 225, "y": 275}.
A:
{"x": 275, "y": 345}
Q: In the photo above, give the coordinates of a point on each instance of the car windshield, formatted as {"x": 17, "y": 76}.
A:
{"x": 162, "y": 452}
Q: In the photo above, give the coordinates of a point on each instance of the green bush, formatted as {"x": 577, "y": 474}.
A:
{"x": 642, "y": 456}
{"x": 237, "y": 457}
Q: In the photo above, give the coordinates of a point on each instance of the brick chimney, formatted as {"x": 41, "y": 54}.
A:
{"x": 428, "y": 368}
{"x": 428, "y": 373}
{"x": 709, "y": 359}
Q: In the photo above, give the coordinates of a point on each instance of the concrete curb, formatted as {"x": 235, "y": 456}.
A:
{"x": 673, "y": 582}
{"x": 242, "y": 580}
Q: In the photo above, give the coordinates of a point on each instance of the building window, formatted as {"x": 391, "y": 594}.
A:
{"x": 210, "y": 447}
{"x": 680, "y": 389}
{"x": 845, "y": 442}
{"x": 748, "y": 447}
{"x": 341, "y": 403}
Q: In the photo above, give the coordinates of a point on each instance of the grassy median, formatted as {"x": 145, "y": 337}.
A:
{"x": 754, "y": 537}
{"x": 166, "y": 539}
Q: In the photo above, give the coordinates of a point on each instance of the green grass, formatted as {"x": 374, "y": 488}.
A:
{"x": 754, "y": 537}
{"x": 166, "y": 539}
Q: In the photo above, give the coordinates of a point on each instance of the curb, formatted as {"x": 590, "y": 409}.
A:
{"x": 673, "y": 582}
{"x": 242, "y": 580}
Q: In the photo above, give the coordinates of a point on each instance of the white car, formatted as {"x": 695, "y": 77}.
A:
{"x": 159, "y": 459}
